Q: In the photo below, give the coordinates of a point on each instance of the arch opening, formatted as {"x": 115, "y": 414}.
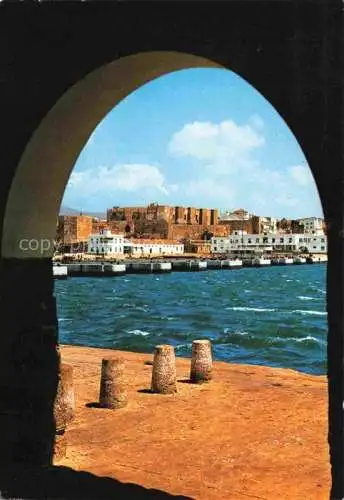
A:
{"x": 52, "y": 152}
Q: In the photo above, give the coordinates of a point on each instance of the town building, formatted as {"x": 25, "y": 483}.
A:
{"x": 73, "y": 231}
{"x": 73, "y": 228}
{"x": 106, "y": 243}
{"x": 262, "y": 225}
{"x": 287, "y": 226}
{"x": 200, "y": 247}
{"x": 236, "y": 220}
{"x": 152, "y": 248}
{"x": 305, "y": 243}
{"x": 313, "y": 225}
{"x": 242, "y": 220}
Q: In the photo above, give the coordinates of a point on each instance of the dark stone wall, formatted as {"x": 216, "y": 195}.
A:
{"x": 28, "y": 361}
{"x": 289, "y": 51}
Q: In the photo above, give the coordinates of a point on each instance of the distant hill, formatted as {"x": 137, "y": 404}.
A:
{"x": 64, "y": 210}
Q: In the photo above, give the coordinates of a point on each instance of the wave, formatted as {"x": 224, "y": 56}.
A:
{"x": 138, "y": 332}
{"x": 305, "y": 297}
{"x": 283, "y": 340}
{"x": 254, "y": 309}
{"x": 227, "y": 330}
{"x": 309, "y": 337}
{"x": 313, "y": 313}
{"x": 65, "y": 319}
{"x": 247, "y": 340}
{"x": 183, "y": 346}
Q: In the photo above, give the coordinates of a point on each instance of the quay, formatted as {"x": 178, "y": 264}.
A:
{"x": 103, "y": 269}
{"x": 251, "y": 432}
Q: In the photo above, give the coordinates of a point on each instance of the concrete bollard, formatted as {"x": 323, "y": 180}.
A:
{"x": 112, "y": 392}
{"x": 64, "y": 405}
{"x": 201, "y": 361}
{"x": 60, "y": 446}
{"x": 164, "y": 370}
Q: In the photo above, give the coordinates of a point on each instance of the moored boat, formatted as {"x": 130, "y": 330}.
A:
{"x": 235, "y": 263}
{"x": 60, "y": 272}
{"x": 285, "y": 260}
{"x": 261, "y": 261}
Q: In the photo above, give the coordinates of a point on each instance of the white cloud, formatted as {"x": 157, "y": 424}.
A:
{"x": 230, "y": 173}
{"x": 301, "y": 175}
{"x": 127, "y": 177}
{"x": 226, "y": 146}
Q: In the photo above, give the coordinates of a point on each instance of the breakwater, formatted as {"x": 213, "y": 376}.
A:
{"x": 147, "y": 267}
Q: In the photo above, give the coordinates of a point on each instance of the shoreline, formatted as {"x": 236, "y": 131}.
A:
{"x": 253, "y": 430}
{"x": 185, "y": 358}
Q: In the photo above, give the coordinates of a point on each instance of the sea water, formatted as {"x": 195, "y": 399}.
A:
{"x": 274, "y": 316}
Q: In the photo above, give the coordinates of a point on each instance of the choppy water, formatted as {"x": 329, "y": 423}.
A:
{"x": 271, "y": 316}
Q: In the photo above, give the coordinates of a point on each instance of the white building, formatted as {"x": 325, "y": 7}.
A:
{"x": 313, "y": 225}
{"x": 235, "y": 215}
{"x": 152, "y": 248}
{"x": 106, "y": 243}
{"x": 310, "y": 243}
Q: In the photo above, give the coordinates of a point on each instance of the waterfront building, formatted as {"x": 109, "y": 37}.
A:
{"x": 200, "y": 247}
{"x": 106, "y": 243}
{"x": 152, "y": 248}
{"x": 73, "y": 229}
{"x": 236, "y": 220}
{"x": 278, "y": 242}
{"x": 313, "y": 225}
{"x": 287, "y": 226}
{"x": 262, "y": 225}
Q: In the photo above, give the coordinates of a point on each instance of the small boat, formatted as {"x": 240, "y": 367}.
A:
{"x": 285, "y": 260}
{"x": 235, "y": 263}
{"x": 60, "y": 272}
{"x": 316, "y": 260}
{"x": 260, "y": 262}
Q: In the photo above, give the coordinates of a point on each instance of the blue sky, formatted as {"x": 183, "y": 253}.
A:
{"x": 197, "y": 137}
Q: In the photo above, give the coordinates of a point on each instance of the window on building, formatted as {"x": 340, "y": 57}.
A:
{"x": 273, "y": 240}
{"x": 257, "y": 240}
{"x": 215, "y": 249}
{"x": 281, "y": 240}
{"x": 322, "y": 248}
{"x": 290, "y": 240}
